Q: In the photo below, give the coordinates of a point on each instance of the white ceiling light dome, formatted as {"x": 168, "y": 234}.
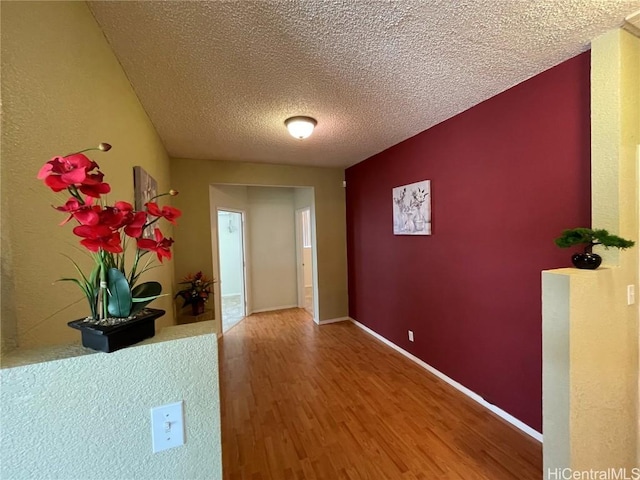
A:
{"x": 300, "y": 127}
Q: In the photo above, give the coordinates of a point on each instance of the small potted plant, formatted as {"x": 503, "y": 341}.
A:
{"x": 197, "y": 293}
{"x": 589, "y": 238}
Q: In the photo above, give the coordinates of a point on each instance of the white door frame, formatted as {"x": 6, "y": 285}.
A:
{"x": 300, "y": 261}
{"x": 243, "y": 238}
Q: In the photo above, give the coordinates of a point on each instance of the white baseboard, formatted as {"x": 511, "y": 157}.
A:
{"x": 334, "y": 320}
{"x": 272, "y": 309}
{"x": 474, "y": 396}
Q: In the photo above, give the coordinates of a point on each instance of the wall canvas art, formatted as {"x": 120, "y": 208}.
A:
{"x": 412, "y": 209}
{"x": 145, "y": 188}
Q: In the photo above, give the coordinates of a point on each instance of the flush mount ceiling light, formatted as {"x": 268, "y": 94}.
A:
{"x": 300, "y": 127}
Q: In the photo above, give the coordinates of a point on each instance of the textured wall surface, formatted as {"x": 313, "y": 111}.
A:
{"x": 600, "y": 418}
{"x": 88, "y": 416}
{"x": 372, "y": 73}
{"x": 62, "y": 90}
{"x": 193, "y": 238}
{"x": 506, "y": 177}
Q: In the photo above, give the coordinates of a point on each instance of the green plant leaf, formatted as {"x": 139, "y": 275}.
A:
{"x": 84, "y": 278}
{"x": 591, "y": 237}
{"x": 147, "y": 299}
{"x": 88, "y": 286}
{"x": 146, "y": 268}
{"x": 144, "y": 294}
{"x": 77, "y": 282}
{"x": 88, "y": 292}
{"x": 119, "y": 304}
{"x": 93, "y": 278}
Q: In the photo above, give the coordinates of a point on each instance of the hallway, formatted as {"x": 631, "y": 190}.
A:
{"x": 306, "y": 402}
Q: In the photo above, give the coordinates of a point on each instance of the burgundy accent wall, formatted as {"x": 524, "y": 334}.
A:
{"x": 507, "y": 176}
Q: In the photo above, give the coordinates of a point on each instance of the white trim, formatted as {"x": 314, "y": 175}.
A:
{"x": 474, "y": 396}
{"x": 271, "y": 309}
{"x": 335, "y": 320}
{"x": 231, "y": 295}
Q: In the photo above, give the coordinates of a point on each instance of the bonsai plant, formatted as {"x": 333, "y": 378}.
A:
{"x": 589, "y": 238}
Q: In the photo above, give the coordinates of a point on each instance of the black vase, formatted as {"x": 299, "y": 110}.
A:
{"x": 109, "y": 338}
{"x": 197, "y": 308}
{"x": 586, "y": 261}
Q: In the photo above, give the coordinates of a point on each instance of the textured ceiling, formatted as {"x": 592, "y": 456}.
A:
{"x": 219, "y": 78}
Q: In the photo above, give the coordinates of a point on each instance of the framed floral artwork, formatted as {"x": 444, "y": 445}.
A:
{"x": 145, "y": 188}
{"x": 412, "y": 209}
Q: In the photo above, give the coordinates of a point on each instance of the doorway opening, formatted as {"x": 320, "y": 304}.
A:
{"x": 304, "y": 256}
{"x": 231, "y": 256}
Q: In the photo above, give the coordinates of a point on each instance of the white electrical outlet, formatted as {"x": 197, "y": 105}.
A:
{"x": 167, "y": 426}
{"x": 631, "y": 294}
{"x": 410, "y": 336}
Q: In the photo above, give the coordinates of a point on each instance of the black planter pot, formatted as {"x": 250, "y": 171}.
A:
{"x": 109, "y": 338}
{"x": 586, "y": 261}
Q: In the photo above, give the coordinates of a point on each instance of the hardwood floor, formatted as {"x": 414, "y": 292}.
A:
{"x": 306, "y": 402}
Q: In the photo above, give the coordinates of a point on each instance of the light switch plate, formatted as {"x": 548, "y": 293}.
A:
{"x": 167, "y": 426}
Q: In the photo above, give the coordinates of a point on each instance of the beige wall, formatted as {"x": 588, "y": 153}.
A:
{"x": 590, "y": 334}
{"x": 272, "y": 249}
{"x": 303, "y": 198}
{"x": 88, "y": 416}
{"x": 193, "y": 239}
{"x": 62, "y": 90}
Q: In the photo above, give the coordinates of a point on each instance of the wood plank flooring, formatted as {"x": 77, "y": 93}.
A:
{"x": 306, "y": 402}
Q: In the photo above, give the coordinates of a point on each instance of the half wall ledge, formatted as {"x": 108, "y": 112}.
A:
{"x": 63, "y": 399}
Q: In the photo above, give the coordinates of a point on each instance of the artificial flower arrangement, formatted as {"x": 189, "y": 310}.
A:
{"x": 198, "y": 290}
{"x": 111, "y": 291}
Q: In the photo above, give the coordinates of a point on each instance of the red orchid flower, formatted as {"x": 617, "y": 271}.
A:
{"x": 167, "y": 212}
{"x": 161, "y": 245}
{"x": 112, "y": 218}
{"x": 135, "y": 226}
{"x": 123, "y": 206}
{"x": 86, "y": 214}
{"x": 96, "y": 237}
{"x": 93, "y": 186}
{"x": 132, "y": 221}
{"x": 60, "y": 173}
